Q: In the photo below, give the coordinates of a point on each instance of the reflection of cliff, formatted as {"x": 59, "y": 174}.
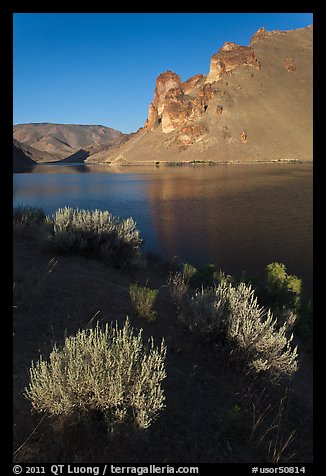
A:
{"x": 58, "y": 169}
{"x": 170, "y": 197}
{"x": 238, "y": 218}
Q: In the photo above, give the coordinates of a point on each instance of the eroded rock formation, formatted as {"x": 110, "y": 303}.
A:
{"x": 178, "y": 108}
{"x": 153, "y": 120}
{"x": 193, "y": 82}
{"x": 177, "y": 103}
{"x": 246, "y": 115}
{"x": 230, "y": 56}
{"x": 165, "y": 81}
{"x": 260, "y": 34}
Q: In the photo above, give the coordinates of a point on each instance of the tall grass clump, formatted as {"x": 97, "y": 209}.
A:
{"x": 28, "y": 215}
{"x": 95, "y": 233}
{"x": 108, "y": 371}
{"x": 232, "y": 312}
{"x": 178, "y": 283}
{"x": 178, "y": 287}
{"x": 143, "y": 299}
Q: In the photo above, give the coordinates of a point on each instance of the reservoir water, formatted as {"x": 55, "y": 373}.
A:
{"x": 239, "y": 217}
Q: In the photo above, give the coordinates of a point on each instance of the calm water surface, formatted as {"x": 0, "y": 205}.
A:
{"x": 239, "y": 217}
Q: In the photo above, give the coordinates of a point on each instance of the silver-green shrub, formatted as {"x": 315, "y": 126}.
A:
{"x": 202, "y": 312}
{"x": 233, "y": 312}
{"x": 110, "y": 371}
{"x": 96, "y": 233}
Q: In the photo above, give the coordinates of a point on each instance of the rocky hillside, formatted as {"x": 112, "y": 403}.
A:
{"x": 21, "y": 156}
{"x": 58, "y": 141}
{"x": 24, "y": 154}
{"x": 255, "y": 104}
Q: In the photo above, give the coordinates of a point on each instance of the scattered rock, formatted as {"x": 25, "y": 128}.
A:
{"x": 243, "y": 137}
{"x": 206, "y": 93}
{"x": 219, "y": 109}
{"x": 226, "y": 134}
{"x": 190, "y": 134}
{"x": 289, "y": 64}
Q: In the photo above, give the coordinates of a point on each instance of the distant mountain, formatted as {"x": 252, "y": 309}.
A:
{"x": 58, "y": 141}
{"x": 255, "y": 104}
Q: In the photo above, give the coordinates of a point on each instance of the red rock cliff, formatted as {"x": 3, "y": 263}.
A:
{"x": 230, "y": 56}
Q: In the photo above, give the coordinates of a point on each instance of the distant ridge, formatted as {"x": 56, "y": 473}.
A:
{"x": 58, "y": 141}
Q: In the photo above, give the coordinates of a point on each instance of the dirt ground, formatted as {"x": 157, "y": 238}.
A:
{"x": 212, "y": 406}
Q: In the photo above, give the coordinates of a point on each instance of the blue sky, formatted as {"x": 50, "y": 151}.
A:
{"x": 101, "y": 68}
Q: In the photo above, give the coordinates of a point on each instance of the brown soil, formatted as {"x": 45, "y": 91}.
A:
{"x": 210, "y": 400}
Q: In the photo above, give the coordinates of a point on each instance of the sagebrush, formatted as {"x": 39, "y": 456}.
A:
{"x": 234, "y": 313}
{"x": 110, "y": 371}
{"x": 95, "y": 233}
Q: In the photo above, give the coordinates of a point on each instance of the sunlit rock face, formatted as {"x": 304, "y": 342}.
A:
{"x": 216, "y": 69}
{"x": 255, "y": 105}
{"x": 206, "y": 93}
{"x": 193, "y": 82}
{"x": 153, "y": 120}
{"x": 167, "y": 90}
{"x": 180, "y": 108}
{"x": 165, "y": 81}
{"x": 177, "y": 109}
{"x": 177, "y": 103}
{"x": 230, "y": 56}
{"x": 173, "y": 106}
{"x": 261, "y": 33}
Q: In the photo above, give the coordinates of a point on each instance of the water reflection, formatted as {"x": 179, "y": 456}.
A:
{"x": 239, "y": 220}
{"x": 70, "y": 168}
{"x": 238, "y": 217}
